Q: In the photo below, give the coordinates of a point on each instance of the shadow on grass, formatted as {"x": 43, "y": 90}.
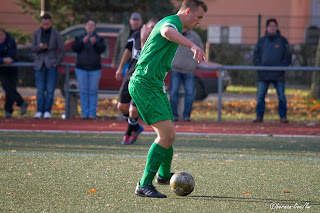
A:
{"x": 253, "y": 200}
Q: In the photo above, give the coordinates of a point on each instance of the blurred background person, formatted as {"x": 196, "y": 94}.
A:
{"x": 134, "y": 25}
{"x": 126, "y": 105}
{"x": 183, "y": 67}
{"x": 89, "y": 47}
{"x": 9, "y": 75}
{"x": 271, "y": 50}
{"x": 47, "y": 44}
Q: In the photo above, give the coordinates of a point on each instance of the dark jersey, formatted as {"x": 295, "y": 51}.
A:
{"x": 134, "y": 46}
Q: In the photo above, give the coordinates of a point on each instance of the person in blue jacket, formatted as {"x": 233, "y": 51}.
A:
{"x": 271, "y": 50}
{"x": 89, "y": 48}
{"x": 9, "y": 75}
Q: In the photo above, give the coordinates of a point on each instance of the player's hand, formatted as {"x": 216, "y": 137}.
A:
{"x": 85, "y": 39}
{"x": 7, "y": 60}
{"x": 198, "y": 53}
{"x": 119, "y": 74}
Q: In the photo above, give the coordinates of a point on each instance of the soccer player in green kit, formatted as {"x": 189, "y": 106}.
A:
{"x": 146, "y": 88}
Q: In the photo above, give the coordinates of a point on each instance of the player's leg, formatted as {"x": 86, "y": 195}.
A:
{"x": 161, "y": 151}
{"x": 156, "y": 155}
{"x": 123, "y": 107}
{"x": 133, "y": 121}
{"x": 165, "y": 138}
{"x": 161, "y": 119}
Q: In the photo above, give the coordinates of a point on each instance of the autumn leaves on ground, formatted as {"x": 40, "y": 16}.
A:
{"x": 300, "y": 108}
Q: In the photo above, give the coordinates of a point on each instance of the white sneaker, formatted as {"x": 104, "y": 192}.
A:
{"x": 38, "y": 115}
{"x": 47, "y": 115}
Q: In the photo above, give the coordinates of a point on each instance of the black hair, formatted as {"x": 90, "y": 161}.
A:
{"x": 2, "y": 29}
{"x": 90, "y": 19}
{"x": 46, "y": 16}
{"x": 271, "y": 20}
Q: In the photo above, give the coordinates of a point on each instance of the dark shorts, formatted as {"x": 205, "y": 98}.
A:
{"x": 124, "y": 95}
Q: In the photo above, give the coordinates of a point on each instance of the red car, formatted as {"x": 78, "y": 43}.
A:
{"x": 206, "y": 81}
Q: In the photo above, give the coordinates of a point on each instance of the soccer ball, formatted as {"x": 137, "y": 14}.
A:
{"x": 182, "y": 183}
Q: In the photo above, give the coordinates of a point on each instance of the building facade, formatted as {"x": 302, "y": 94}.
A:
{"x": 11, "y": 17}
{"x": 235, "y": 21}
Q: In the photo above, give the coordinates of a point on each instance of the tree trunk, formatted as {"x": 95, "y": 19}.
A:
{"x": 315, "y": 86}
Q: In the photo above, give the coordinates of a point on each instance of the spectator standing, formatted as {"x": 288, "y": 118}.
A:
{"x": 125, "y": 105}
{"x": 9, "y": 75}
{"x": 47, "y": 44}
{"x": 88, "y": 68}
{"x": 272, "y": 50}
{"x": 135, "y": 23}
{"x": 183, "y": 67}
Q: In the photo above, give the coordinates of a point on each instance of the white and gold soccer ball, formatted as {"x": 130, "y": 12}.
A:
{"x": 182, "y": 183}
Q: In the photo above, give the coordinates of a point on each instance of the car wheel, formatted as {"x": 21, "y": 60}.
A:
{"x": 73, "y": 83}
{"x": 200, "y": 92}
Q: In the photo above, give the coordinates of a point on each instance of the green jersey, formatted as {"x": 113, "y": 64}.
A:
{"x": 156, "y": 57}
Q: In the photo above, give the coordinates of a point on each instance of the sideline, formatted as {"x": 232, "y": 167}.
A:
{"x": 144, "y": 156}
{"x": 153, "y": 133}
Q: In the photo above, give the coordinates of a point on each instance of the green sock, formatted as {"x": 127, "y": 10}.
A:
{"x": 156, "y": 155}
{"x": 165, "y": 167}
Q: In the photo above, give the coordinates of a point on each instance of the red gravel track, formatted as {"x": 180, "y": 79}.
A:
{"x": 100, "y": 125}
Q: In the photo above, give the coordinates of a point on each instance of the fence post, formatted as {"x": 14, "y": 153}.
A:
{"x": 259, "y": 26}
{"x": 67, "y": 91}
{"x": 221, "y": 70}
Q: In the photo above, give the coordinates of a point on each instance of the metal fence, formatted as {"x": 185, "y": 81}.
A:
{"x": 222, "y": 68}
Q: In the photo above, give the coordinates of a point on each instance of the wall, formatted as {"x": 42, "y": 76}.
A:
{"x": 11, "y": 17}
{"x": 292, "y": 15}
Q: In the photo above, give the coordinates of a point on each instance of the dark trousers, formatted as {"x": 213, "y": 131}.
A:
{"x": 261, "y": 94}
{"x": 9, "y": 84}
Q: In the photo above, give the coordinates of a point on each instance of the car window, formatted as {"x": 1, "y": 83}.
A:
{"x": 73, "y": 33}
{"x": 106, "y": 53}
{"x": 108, "y": 29}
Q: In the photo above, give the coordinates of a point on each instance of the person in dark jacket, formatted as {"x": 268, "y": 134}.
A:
{"x": 271, "y": 50}
{"x": 88, "y": 68}
{"x": 9, "y": 75}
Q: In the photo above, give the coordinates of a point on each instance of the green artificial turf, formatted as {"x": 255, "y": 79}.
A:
{"x": 53, "y": 172}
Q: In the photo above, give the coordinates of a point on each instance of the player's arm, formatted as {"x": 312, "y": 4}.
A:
{"x": 125, "y": 58}
{"x": 144, "y": 34}
{"x": 173, "y": 35}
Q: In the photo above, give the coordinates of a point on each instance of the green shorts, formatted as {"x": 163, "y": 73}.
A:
{"x": 152, "y": 103}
